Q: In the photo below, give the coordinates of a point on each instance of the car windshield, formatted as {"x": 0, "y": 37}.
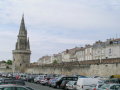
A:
{"x": 59, "y": 78}
{"x": 105, "y": 86}
{"x": 71, "y": 82}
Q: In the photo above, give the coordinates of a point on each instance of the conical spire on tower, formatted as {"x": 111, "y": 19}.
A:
{"x": 22, "y": 41}
{"x": 22, "y": 31}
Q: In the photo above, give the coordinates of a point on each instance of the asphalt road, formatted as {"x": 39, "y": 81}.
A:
{"x": 40, "y": 87}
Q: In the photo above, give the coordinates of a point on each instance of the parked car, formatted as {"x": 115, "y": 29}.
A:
{"x": 19, "y": 82}
{"x": 51, "y": 81}
{"x": 12, "y": 81}
{"x": 60, "y": 79}
{"x": 4, "y": 74}
{"x": 9, "y": 75}
{"x": 95, "y": 87}
{"x": 110, "y": 87}
{"x": 85, "y": 83}
{"x": 14, "y": 87}
{"x": 63, "y": 84}
{"x": 38, "y": 78}
{"x": 29, "y": 88}
{"x": 44, "y": 81}
{"x": 71, "y": 85}
{"x": 115, "y": 76}
{"x": 23, "y": 77}
{"x": 112, "y": 80}
{"x": 30, "y": 78}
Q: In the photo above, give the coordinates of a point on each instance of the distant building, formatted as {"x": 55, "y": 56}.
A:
{"x": 69, "y": 55}
{"x": 57, "y": 58}
{"x": 99, "y": 50}
{"x": 21, "y": 54}
{"x": 88, "y": 52}
{"x": 44, "y": 60}
{"x": 3, "y": 64}
{"x": 80, "y": 54}
{"x": 112, "y": 49}
{"x": 108, "y": 49}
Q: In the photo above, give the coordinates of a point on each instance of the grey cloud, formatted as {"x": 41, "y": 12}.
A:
{"x": 98, "y": 17}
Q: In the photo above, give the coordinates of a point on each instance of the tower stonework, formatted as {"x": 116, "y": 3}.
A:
{"x": 22, "y": 52}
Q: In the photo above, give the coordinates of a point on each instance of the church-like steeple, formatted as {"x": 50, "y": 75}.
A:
{"x": 22, "y": 31}
{"x": 22, "y": 42}
{"x": 22, "y": 52}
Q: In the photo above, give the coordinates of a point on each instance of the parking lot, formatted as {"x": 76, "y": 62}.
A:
{"x": 40, "y": 87}
{"x": 60, "y": 82}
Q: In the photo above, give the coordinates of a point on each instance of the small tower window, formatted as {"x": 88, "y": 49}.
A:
{"x": 111, "y": 42}
{"x": 110, "y": 51}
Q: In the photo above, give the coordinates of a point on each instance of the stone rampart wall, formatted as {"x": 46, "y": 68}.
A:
{"x": 105, "y": 67}
{"x": 5, "y": 70}
{"x": 89, "y": 70}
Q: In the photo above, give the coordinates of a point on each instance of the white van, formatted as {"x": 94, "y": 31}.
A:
{"x": 85, "y": 83}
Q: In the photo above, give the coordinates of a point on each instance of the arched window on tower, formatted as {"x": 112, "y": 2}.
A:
{"x": 111, "y": 42}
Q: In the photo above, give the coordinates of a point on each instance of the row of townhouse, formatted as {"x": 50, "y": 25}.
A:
{"x": 99, "y": 50}
{"x": 4, "y": 65}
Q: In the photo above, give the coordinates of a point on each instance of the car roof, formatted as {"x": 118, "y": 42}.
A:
{"x": 113, "y": 83}
{"x": 7, "y": 85}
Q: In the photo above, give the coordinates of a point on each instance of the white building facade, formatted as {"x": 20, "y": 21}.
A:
{"x": 112, "y": 48}
{"x": 80, "y": 54}
{"x": 98, "y": 51}
{"x": 88, "y": 52}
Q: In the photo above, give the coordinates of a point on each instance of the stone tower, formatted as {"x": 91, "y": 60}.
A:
{"x": 21, "y": 54}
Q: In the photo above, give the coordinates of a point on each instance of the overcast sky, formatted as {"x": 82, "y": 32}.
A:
{"x": 56, "y": 25}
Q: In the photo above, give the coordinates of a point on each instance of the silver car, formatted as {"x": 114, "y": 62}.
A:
{"x": 14, "y": 87}
{"x": 110, "y": 87}
{"x": 71, "y": 85}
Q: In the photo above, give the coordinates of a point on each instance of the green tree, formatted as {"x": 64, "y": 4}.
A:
{"x": 9, "y": 62}
{"x": 55, "y": 62}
